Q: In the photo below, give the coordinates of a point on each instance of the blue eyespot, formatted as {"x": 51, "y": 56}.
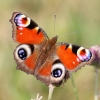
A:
{"x": 22, "y": 54}
{"x": 56, "y": 73}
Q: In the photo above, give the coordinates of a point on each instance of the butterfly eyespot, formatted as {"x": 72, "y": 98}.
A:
{"x": 23, "y": 51}
{"x": 84, "y": 54}
{"x": 21, "y": 20}
{"x": 57, "y": 72}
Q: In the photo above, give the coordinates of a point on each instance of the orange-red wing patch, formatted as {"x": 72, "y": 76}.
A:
{"x": 24, "y": 20}
{"x": 82, "y": 52}
{"x": 67, "y": 57}
{"x": 30, "y": 62}
{"x": 45, "y": 70}
{"x": 25, "y": 35}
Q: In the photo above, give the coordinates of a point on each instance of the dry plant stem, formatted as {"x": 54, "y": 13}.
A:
{"x": 38, "y": 97}
{"x": 51, "y": 88}
{"x": 96, "y": 97}
{"x": 74, "y": 88}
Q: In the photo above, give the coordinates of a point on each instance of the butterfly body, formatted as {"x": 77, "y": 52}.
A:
{"x": 47, "y": 60}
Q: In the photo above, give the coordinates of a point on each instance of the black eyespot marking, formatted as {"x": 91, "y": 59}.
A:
{"x": 75, "y": 48}
{"x": 56, "y": 73}
{"x": 32, "y": 48}
{"x": 67, "y": 46}
{"x": 32, "y": 24}
{"x": 56, "y": 61}
{"x": 83, "y": 50}
{"x": 22, "y": 53}
{"x": 25, "y": 18}
{"x": 39, "y": 30}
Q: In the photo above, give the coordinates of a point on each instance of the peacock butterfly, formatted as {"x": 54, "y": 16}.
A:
{"x": 36, "y": 54}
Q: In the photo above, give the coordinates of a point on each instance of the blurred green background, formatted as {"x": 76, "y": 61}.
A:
{"x": 72, "y": 15}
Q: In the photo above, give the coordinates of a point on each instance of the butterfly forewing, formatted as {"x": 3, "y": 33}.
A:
{"x": 25, "y": 30}
{"x": 73, "y": 56}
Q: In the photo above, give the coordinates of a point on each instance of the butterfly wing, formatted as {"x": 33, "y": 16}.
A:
{"x": 73, "y": 57}
{"x": 31, "y": 38}
{"x": 25, "y": 30}
{"x": 26, "y": 56}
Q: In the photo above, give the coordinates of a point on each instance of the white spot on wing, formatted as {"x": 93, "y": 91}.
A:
{"x": 21, "y": 33}
{"x": 70, "y": 46}
{"x": 78, "y": 60}
{"x": 37, "y": 28}
{"x": 73, "y": 62}
{"x": 20, "y": 28}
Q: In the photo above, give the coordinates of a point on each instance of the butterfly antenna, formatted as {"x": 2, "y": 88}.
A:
{"x": 54, "y": 23}
{"x": 68, "y": 34}
{"x": 51, "y": 88}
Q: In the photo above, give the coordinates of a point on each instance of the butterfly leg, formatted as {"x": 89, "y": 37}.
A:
{"x": 38, "y": 97}
{"x": 51, "y": 88}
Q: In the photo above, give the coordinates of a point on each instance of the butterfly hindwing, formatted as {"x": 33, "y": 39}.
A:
{"x": 26, "y": 56}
